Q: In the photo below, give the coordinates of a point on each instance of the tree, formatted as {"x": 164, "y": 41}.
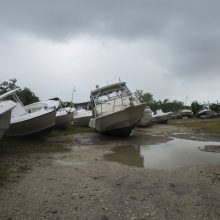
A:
{"x": 195, "y": 106}
{"x": 215, "y": 108}
{"x": 144, "y": 97}
{"x": 25, "y": 95}
{"x": 171, "y": 106}
{"x": 8, "y": 85}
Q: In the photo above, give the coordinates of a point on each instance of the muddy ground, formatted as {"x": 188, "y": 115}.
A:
{"x": 81, "y": 184}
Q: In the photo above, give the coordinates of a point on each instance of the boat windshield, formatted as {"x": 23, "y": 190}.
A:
{"x": 111, "y": 95}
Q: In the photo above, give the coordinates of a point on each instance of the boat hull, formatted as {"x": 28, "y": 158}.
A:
{"x": 144, "y": 122}
{"x": 5, "y": 119}
{"x": 82, "y": 121}
{"x": 119, "y": 123}
{"x": 205, "y": 114}
{"x": 187, "y": 114}
{"x": 63, "y": 121}
{"x": 161, "y": 119}
{"x": 35, "y": 126}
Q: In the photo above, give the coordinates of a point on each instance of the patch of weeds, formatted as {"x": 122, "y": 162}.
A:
{"x": 211, "y": 126}
{"x": 14, "y": 152}
{"x": 10, "y": 147}
{"x": 71, "y": 130}
{"x": 23, "y": 168}
{"x": 4, "y": 173}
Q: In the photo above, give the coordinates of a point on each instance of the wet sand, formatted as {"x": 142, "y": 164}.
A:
{"x": 81, "y": 184}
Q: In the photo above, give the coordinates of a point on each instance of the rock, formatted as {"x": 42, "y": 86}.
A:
{"x": 132, "y": 198}
{"x": 172, "y": 185}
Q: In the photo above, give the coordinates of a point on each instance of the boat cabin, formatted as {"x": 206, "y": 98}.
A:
{"x": 111, "y": 98}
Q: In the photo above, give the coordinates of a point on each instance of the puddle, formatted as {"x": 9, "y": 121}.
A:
{"x": 170, "y": 155}
{"x": 86, "y": 141}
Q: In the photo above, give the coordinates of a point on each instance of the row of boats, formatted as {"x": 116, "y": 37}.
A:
{"x": 160, "y": 117}
{"x": 36, "y": 119}
{"x": 113, "y": 110}
{"x": 204, "y": 113}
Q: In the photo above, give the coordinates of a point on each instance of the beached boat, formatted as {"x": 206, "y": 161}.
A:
{"x": 64, "y": 115}
{"x": 82, "y": 114}
{"x": 146, "y": 120}
{"x": 5, "y": 115}
{"x": 115, "y": 110}
{"x": 161, "y": 117}
{"x": 205, "y": 113}
{"x": 187, "y": 113}
{"x": 24, "y": 122}
{"x": 82, "y": 117}
{"x": 176, "y": 115}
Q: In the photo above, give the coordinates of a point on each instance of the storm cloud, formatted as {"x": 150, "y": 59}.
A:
{"x": 175, "y": 41}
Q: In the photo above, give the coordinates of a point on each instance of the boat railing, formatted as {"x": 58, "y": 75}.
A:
{"x": 131, "y": 98}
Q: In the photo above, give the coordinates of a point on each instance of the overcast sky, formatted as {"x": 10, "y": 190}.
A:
{"x": 170, "y": 48}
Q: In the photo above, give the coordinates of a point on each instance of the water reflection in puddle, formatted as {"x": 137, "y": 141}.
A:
{"x": 173, "y": 154}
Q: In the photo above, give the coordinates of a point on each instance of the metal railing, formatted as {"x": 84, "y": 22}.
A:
{"x": 131, "y": 98}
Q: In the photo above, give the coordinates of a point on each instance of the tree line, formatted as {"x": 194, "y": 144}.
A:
{"x": 171, "y": 106}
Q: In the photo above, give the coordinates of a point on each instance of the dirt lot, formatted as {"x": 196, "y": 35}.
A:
{"x": 79, "y": 183}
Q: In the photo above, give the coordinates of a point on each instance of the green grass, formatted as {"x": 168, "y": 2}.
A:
{"x": 211, "y": 126}
{"x": 11, "y": 146}
{"x": 71, "y": 130}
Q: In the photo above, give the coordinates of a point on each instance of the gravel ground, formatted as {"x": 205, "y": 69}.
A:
{"x": 80, "y": 184}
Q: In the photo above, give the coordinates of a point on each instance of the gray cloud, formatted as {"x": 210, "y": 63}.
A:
{"x": 189, "y": 30}
{"x": 122, "y": 18}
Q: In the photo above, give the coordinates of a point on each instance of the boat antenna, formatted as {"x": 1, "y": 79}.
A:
{"x": 74, "y": 90}
{"x": 186, "y": 100}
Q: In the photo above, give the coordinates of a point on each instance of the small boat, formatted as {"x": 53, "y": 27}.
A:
{"x": 82, "y": 117}
{"x": 5, "y": 115}
{"x": 146, "y": 120}
{"x": 64, "y": 115}
{"x": 186, "y": 113}
{"x": 205, "y": 113}
{"x": 82, "y": 114}
{"x": 24, "y": 122}
{"x": 161, "y": 117}
{"x": 176, "y": 115}
{"x": 116, "y": 111}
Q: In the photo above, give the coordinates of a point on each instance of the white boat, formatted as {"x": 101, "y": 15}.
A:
{"x": 5, "y": 115}
{"x": 64, "y": 115}
{"x": 205, "y": 113}
{"x": 161, "y": 117}
{"x": 115, "y": 110}
{"x": 82, "y": 117}
{"x": 82, "y": 114}
{"x": 176, "y": 115}
{"x": 146, "y": 120}
{"x": 24, "y": 122}
{"x": 187, "y": 113}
